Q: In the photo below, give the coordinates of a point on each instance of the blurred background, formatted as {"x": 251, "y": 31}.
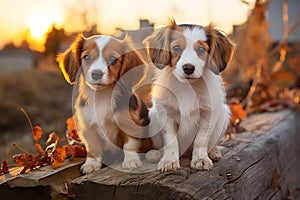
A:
{"x": 265, "y": 66}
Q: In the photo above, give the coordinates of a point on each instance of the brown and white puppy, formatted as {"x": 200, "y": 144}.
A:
{"x": 188, "y": 94}
{"x": 98, "y": 64}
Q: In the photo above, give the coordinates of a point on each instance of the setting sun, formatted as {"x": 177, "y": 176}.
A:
{"x": 38, "y": 27}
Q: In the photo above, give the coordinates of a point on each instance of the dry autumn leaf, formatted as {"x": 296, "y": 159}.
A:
{"x": 53, "y": 154}
{"x": 58, "y": 157}
{"x": 38, "y": 148}
{"x": 23, "y": 159}
{"x": 37, "y": 133}
{"x": 71, "y": 133}
{"x": 52, "y": 137}
{"x": 75, "y": 151}
{"x": 30, "y": 161}
{"x": 237, "y": 112}
{"x": 71, "y": 128}
{"x": 71, "y": 123}
{"x": 4, "y": 167}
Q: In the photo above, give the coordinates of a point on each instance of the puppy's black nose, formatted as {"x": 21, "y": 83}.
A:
{"x": 97, "y": 74}
{"x": 188, "y": 69}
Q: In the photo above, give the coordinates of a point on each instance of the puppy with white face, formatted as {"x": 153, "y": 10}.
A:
{"x": 188, "y": 95}
{"x": 97, "y": 64}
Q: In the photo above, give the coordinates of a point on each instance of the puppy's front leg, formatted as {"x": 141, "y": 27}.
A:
{"x": 131, "y": 156}
{"x": 200, "y": 159}
{"x": 93, "y": 146}
{"x": 170, "y": 159}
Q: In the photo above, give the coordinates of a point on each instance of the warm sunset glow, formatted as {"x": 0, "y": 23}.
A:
{"x": 38, "y": 27}
{"x": 32, "y": 19}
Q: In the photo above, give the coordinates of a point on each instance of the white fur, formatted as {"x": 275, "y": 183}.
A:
{"x": 91, "y": 164}
{"x": 132, "y": 159}
{"x": 100, "y": 63}
{"x": 96, "y": 123}
{"x": 190, "y": 111}
{"x": 189, "y": 55}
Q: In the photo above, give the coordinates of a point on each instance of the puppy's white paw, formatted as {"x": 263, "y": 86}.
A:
{"x": 215, "y": 154}
{"x": 166, "y": 165}
{"x": 132, "y": 164}
{"x": 131, "y": 160}
{"x": 202, "y": 163}
{"x": 90, "y": 165}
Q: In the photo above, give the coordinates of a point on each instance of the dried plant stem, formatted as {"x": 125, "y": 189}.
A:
{"x": 254, "y": 85}
{"x": 283, "y": 43}
{"x": 21, "y": 148}
{"x": 27, "y": 117}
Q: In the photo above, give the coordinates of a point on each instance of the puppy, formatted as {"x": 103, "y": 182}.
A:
{"x": 97, "y": 64}
{"x": 188, "y": 95}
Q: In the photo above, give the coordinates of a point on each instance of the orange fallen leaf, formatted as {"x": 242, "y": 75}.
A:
{"x": 237, "y": 112}
{"x": 71, "y": 129}
{"x": 75, "y": 151}
{"x": 4, "y": 167}
{"x": 58, "y": 157}
{"x": 38, "y": 148}
{"x": 37, "y": 133}
{"x": 53, "y": 154}
{"x": 29, "y": 161}
{"x": 22, "y": 159}
{"x": 52, "y": 137}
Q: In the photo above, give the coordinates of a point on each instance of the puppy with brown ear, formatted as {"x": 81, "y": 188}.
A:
{"x": 188, "y": 93}
{"x": 97, "y": 64}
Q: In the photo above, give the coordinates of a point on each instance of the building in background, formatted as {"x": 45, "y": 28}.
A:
{"x": 15, "y": 59}
{"x": 146, "y": 28}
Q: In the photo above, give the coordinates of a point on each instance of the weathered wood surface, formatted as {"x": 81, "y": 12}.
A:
{"x": 246, "y": 171}
{"x": 43, "y": 183}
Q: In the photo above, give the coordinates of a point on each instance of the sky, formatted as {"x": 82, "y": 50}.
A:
{"x": 31, "y": 19}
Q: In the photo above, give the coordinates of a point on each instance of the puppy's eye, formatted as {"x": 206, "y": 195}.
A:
{"x": 177, "y": 49}
{"x": 201, "y": 51}
{"x": 87, "y": 58}
{"x": 113, "y": 60}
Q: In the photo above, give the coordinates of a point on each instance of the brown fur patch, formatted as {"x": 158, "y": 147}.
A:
{"x": 158, "y": 47}
{"x": 115, "y": 49}
{"x": 177, "y": 40}
{"x": 220, "y": 48}
{"x": 89, "y": 48}
{"x": 69, "y": 61}
{"x": 138, "y": 111}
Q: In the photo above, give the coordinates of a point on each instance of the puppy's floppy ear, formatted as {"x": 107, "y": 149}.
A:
{"x": 158, "y": 45}
{"x": 70, "y": 61}
{"x": 220, "y": 49}
{"x": 132, "y": 58}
